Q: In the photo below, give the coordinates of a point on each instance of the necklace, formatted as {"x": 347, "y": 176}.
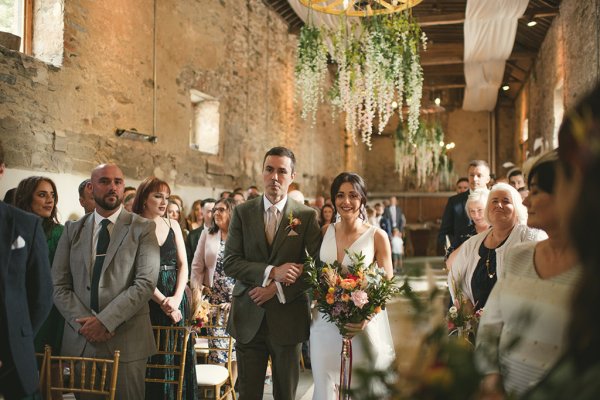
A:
{"x": 487, "y": 265}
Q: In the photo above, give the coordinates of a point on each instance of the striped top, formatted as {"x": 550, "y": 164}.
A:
{"x": 524, "y": 324}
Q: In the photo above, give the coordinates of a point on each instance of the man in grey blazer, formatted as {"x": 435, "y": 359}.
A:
{"x": 104, "y": 297}
{"x": 266, "y": 246}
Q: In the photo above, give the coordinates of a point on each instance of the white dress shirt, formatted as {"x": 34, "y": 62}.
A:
{"x": 280, "y": 206}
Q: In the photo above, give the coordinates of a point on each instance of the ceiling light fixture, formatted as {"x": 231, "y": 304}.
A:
{"x": 531, "y": 23}
{"x": 505, "y": 87}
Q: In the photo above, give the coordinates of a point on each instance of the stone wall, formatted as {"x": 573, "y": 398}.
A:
{"x": 569, "y": 54}
{"x": 63, "y": 119}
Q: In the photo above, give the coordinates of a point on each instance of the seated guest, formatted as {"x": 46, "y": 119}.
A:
{"x": 38, "y": 195}
{"x": 480, "y": 259}
{"x": 537, "y": 285}
{"x": 207, "y": 271}
{"x": 475, "y": 209}
{"x": 575, "y": 376}
{"x": 86, "y": 199}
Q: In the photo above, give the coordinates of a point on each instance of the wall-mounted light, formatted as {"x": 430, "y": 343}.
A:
{"x": 135, "y": 135}
{"x": 505, "y": 87}
{"x": 437, "y": 101}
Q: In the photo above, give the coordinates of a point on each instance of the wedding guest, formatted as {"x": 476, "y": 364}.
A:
{"x": 128, "y": 202}
{"x": 169, "y": 304}
{"x": 9, "y": 196}
{"x": 238, "y": 198}
{"x": 515, "y": 178}
{"x": 25, "y": 298}
{"x": 575, "y": 376}
{"x": 38, "y": 195}
{"x": 327, "y": 215}
{"x": 173, "y": 210}
{"x": 195, "y": 216}
{"x": 225, "y": 194}
{"x": 537, "y": 285}
{"x": 183, "y": 223}
{"x": 129, "y": 190}
{"x": 475, "y": 207}
{"x": 194, "y": 235}
{"x": 480, "y": 259}
{"x": 462, "y": 185}
{"x": 252, "y": 192}
{"x": 207, "y": 271}
{"x": 86, "y": 199}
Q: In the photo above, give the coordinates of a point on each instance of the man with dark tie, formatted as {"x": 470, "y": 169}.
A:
{"x": 25, "y": 298}
{"x": 105, "y": 271}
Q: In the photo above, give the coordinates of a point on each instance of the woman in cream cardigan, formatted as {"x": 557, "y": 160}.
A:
{"x": 207, "y": 272}
{"x": 480, "y": 259}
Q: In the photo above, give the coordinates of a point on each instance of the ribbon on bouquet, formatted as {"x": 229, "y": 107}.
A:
{"x": 345, "y": 369}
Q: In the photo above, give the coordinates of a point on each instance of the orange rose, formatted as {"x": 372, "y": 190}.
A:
{"x": 330, "y": 298}
{"x": 345, "y": 297}
{"x": 377, "y": 309}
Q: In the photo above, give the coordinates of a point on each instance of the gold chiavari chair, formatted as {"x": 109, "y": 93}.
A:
{"x": 86, "y": 375}
{"x": 170, "y": 341}
{"x": 216, "y": 376}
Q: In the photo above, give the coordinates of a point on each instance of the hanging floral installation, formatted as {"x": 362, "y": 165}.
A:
{"x": 423, "y": 155}
{"x": 378, "y": 69}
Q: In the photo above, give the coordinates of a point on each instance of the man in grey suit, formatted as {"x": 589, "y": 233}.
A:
{"x": 105, "y": 271}
{"x": 270, "y": 315}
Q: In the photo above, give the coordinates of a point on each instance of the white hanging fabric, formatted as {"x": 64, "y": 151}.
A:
{"x": 490, "y": 29}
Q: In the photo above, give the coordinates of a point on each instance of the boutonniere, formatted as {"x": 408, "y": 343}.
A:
{"x": 293, "y": 223}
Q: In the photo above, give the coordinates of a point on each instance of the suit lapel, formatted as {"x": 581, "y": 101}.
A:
{"x": 257, "y": 219}
{"x": 118, "y": 234}
{"x": 87, "y": 237}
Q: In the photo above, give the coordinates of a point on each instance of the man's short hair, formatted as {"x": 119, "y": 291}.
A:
{"x": 462, "y": 179}
{"x": 209, "y": 200}
{"x": 514, "y": 172}
{"x": 282, "y": 152}
{"x": 82, "y": 186}
{"x": 479, "y": 163}
{"x": 129, "y": 188}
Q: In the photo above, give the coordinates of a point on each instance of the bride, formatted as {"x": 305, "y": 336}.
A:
{"x": 352, "y": 233}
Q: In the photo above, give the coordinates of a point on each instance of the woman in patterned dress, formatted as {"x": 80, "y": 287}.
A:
{"x": 169, "y": 304}
{"x": 207, "y": 271}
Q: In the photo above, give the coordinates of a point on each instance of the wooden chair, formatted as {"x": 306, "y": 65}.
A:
{"x": 171, "y": 341}
{"x": 216, "y": 376}
{"x": 82, "y": 375}
{"x": 42, "y": 366}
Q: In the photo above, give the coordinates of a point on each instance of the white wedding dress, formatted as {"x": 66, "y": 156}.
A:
{"x": 325, "y": 339}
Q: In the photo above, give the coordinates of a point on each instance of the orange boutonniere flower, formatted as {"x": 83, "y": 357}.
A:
{"x": 293, "y": 224}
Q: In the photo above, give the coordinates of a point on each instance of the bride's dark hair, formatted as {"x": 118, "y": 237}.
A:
{"x": 359, "y": 185}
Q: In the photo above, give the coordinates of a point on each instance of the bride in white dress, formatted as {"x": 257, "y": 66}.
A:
{"x": 354, "y": 234}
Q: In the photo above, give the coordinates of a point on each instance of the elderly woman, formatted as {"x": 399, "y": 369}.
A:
{"x": 207, "y": 270}
{"x": 475, "y": 207}
{"x": 480, "y": 259}
{"x": 538, "y": 281}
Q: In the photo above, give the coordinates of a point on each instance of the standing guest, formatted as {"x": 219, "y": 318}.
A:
{"x": 394, "y": 218}
{"x": 38, "y": 196}
{"x": 462, "y": 185}
{"x": 515, "y": 178}
{"x": 238, "y": 198}
{"x": 183, "y": 223}
{"x": 397, "y": 250}
{"x": 25, "y": 298}
{"x": 524, "y": 192}
{"x": 225, "y": 194}
{"x": 195, "y": 215}
{"x": 129, "y": 190}
{"x": 455, "y": 219}
{"x": 575, "y": 376}
{"x": 194, "y": 235}
{"x": 173, "y": 211}
{"x": 327, "y": 215}
{"x": 264, "y": 253}
{"x": 481, "y": 258}
{"x": 104, "y": 273}
{"x": 207, "y": 271}
{"x": 86, "y": 200}
{"x": 538, "y": 281}
{"x": 319, "y": 202}
{"x": 475, "y": 210}
{"x": 252, "y": 192}
{"x": 169, "y": 305}
{"x": 128, "y": 202}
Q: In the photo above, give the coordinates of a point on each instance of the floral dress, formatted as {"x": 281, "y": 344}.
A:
{"x": 220, "y": 293}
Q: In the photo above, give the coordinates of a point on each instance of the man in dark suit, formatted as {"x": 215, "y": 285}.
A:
{"x": 455, "y": 219}
{"x": 392, "y": 217}
{"x": 270, "y": 315}
{"x": 25, "y": 297}
{"x": 105, "y": 271}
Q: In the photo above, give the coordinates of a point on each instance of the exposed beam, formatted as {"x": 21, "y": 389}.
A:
{"x": 445, "y": 19}
{"x": 444, "y": 86}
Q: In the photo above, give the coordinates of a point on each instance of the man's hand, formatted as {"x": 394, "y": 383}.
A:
{"x": 286, "y": 273}
{"x": 260, "y": 295}
{"x": 93, "y": 330}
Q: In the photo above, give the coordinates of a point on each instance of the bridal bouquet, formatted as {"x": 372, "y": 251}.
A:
{"x": 349, "y": 294}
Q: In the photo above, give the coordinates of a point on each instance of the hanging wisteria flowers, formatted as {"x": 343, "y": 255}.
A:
{"x": 378, "y": 64}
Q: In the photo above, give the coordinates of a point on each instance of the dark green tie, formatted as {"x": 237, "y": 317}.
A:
{"x": 101, "y": 247}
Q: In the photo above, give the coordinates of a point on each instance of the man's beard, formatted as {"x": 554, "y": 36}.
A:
{"x": 107, "y": 206}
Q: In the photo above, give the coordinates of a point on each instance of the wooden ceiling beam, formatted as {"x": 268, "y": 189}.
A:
{"x": 444, "y": 19}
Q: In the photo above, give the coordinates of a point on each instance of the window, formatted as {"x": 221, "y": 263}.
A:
{"x": 204, "y": 130}
{"x": 16, "y": 18}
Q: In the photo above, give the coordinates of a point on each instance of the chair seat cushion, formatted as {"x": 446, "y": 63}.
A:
{"x": 208, "y": 374}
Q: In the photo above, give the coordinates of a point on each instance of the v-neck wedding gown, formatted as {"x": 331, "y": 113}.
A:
{"x": 325, "y": 339}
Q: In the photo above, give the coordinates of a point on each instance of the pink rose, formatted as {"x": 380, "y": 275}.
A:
{"x": 360, "y": 298}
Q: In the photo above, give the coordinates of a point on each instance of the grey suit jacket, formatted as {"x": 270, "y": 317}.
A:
{"x": 129, "y": 277}
{"x": 247, "y": 255}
